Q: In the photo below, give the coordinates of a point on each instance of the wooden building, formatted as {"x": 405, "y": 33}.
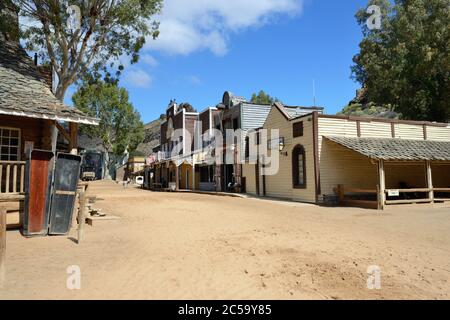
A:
{"x": 31, "y": 117}
{"x": 359, "y": 161}
{"x": 187, "y": 169}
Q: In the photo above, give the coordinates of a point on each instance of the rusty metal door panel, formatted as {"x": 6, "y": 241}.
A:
{"x": 38, "y": 184}
{"x": 67, "y": 172}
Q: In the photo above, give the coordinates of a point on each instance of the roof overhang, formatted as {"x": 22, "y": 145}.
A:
{"x": 55, "y": 117}
{"x": 396, "y": 149}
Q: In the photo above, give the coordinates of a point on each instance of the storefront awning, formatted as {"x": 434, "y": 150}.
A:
{"x": 396, "y": 149}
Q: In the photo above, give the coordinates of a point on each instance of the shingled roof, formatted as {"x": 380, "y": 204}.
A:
{"x": 396, "y": 149}
{"x": 24, "y": 93}
{"x": 295, "y": 112}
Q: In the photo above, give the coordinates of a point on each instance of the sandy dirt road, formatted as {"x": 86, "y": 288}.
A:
{"x": 194, "y": 246}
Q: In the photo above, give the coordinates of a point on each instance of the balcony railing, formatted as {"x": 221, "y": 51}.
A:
{"x": 12, "y": 177}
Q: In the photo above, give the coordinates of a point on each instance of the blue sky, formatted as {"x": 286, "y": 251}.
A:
{"x": 209, "y": 46}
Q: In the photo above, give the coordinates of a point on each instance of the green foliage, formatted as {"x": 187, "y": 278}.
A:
{"x": 109, "y": 30}
{"x": 120, "y": 126}
{"x": 406, "y": 63}
{"x": 263, "y": 98}
{"x": 9, "y": 28}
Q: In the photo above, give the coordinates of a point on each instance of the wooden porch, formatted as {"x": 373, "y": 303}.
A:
{"x": 382, "y": 196}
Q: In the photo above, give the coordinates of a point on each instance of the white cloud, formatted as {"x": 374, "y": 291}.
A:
{"x": 149, "y": 60}
{"x": 189, "y": 26}
{"x": 138, "y": 78}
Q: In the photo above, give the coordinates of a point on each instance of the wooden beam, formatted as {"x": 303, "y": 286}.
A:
{"x": 177, "y": 177}
{"x": 430, "y": 180}
{"x": 193, "y": 175}
{"x": 382, "y": 184}
{"x": 409, "y": 201}
{"x": 2, "y": 246}
{"x": 410, "y": 190}
{"x": 62, "y": 131}
{"x": 12, "y": 197}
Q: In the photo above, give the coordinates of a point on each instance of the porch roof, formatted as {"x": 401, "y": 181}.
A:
{"x": 23, "y": 91}
{"x": 396, "y": 149}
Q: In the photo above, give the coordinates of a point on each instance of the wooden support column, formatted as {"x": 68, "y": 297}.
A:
{"x": 430, "y": 181}
{"x": 340, "y": 194}
{"x": 193, "y": 175}
{"x": 177, "y": 177}
{"x": 81, "y": 216}
{"x": 54, "y": 135}
{"x": 382, "y": 188}
{"x": 2, "y": 246}
{"x": 73, "y": 143}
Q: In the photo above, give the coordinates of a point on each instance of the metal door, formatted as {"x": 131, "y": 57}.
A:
{"x": 67, "y": 171}
{"x": 38, "y": 185}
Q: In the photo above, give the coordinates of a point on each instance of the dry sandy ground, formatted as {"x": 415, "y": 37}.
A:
{"x": 191, "y": 246}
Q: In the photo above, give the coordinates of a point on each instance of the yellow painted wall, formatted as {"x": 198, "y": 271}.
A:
{"x": 410, "y": 132}
{"x": 280, "y": 185}
{"x": 376, "y": 130}
{"x": 248, "y": 171}
{"x": 438, "y": 133}
{"x": 339, "y": 165}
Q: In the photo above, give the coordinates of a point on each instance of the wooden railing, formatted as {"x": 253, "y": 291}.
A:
{"x": 346, "y": 197}
{"x": 12, "y": 177}
{"x": 441, "y": 190}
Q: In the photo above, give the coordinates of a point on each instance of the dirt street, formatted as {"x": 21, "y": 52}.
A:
{"x": 195, "y": 246}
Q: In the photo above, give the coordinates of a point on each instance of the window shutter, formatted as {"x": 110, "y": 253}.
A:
{"x": 298, "y": 129}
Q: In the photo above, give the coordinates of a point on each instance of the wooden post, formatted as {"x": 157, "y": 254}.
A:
{"x": 177, "y": 177}
{"x": 340, "y": 192}
{"x": 378, "y": 197}
{"x": 2, "y": 246}
{"x": 193, "y": 174}
{"x": 81, "y": 216}
{"x": 382, "y": 189}
{"x": 54, "y": 136}
{"x": 430, "y": 181}
{"x": 73, "y": 143}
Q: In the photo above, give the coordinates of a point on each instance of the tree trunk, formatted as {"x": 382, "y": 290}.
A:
{"x": 107, "y": 166}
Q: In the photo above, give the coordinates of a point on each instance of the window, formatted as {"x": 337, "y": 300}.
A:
{"x": 9, "y": 144}
{"x": 235, "y": 123}
{"x": 297, "y": 129}
{"x": 299, "y": 167}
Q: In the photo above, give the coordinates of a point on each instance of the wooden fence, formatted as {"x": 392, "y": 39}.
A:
{"x": 12, "y": 176}
{"x": 347, "y": 197}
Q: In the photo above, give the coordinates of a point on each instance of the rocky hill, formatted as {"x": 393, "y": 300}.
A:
{"x": 362, "y": 107}
{"x": 152, "y": 135}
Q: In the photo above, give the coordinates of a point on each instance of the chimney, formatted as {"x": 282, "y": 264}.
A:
{"x": 46, "y": 75}
{"x": 9, "y": 21}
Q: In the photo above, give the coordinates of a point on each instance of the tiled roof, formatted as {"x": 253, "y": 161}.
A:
{"x": 396, "y": 149}
{"x": 23, "y": 91}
